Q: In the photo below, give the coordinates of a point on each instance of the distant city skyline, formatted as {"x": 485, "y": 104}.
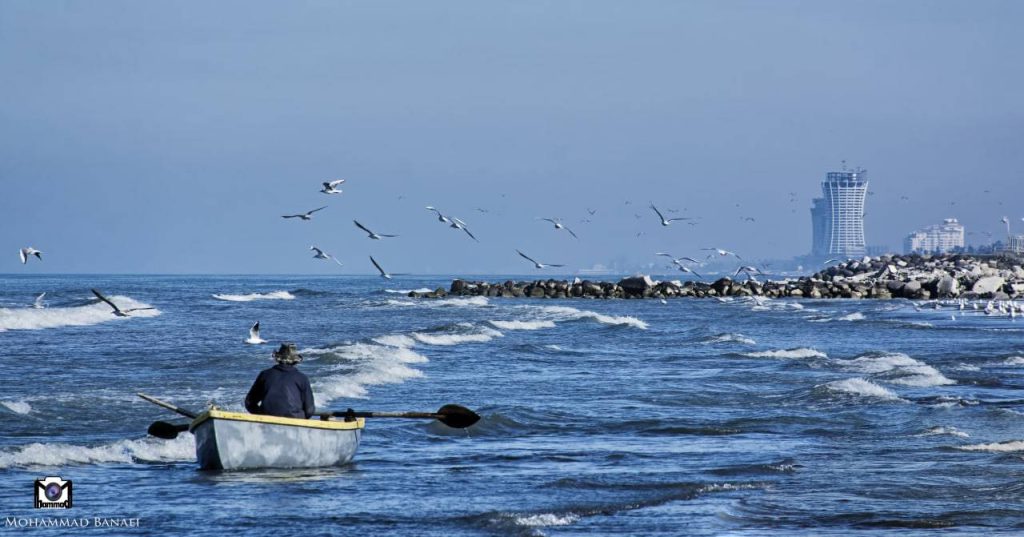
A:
{"x": 142, "y": 138}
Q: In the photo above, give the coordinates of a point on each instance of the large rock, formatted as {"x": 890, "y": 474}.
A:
{"x": 948, "y": 286}
{"x": 636, "y": 285}
{"x": 988, "y": 284}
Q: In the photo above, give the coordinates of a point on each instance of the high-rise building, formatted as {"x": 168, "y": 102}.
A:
{"x": 837, "y": 219}
{"x": 940, "y": 238}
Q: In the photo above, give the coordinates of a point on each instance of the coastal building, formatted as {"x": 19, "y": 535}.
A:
{"x": 1015, "y": 244}
{"x": 940, "y": 238}
{"x": 837, "y": 218}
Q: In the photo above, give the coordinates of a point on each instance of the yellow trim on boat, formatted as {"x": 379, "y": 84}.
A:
{"x": 315, "y": 423}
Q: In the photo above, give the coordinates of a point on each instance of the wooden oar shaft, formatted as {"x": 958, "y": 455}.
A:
{"x": 423, "y": 415}
{"x": 168, "y": 406}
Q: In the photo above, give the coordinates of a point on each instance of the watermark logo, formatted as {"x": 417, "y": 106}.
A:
{"x": 52, "y": 493}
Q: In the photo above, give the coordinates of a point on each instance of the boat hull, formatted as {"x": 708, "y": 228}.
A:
{"x": 237, "y": 441}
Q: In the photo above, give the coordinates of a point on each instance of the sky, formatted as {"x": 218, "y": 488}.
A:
{"x": 170, "y": 137}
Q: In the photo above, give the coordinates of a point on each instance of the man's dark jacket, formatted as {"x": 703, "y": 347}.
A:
{"x": 282, "y": 391}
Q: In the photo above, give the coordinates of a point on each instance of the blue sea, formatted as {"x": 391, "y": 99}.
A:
{"x": 619, "y": 417}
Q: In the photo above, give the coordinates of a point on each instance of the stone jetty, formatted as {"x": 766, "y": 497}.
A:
{"x": 919, "y": 277}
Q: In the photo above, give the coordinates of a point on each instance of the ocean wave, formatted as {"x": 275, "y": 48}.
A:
{"x": 788, "y": 354}
{"x": 566, "y": 313}
{"x": 273, "y": 295}
{"x": 18, "y": 407}
{"x": 856, "y": 316}
{"x": 84, "y": 315}
{"x": 123, "y": 451}
{"x": 940, "y": 430}
{"x": 544, "y": 519}
{"x": 407, "y": 291}
{"x": 1014, "y": 361}
{"x": 363, "y": 365}
{"x": 995, "y": 447}
{"x": 523, "y": 325}
{"x": 465, "y": 333}
{"x": 730, "y": 338}
{"x": 898, "y": 368}
{"x": 861, "y": 387}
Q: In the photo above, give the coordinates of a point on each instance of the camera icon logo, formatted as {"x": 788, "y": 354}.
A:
{"x": 52, "y": 493}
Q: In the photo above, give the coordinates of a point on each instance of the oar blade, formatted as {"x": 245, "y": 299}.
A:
{"x": 458, "y": 417}
{"x": 167, "y": 431}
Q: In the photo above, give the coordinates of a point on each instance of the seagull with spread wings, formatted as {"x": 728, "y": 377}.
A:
{"x": 26, "y": 253}
{"x": 459, "y": 224}
{"x": 254, "y": 335}
{"x": 304, "y": 216}
{"x": 331, "y": 187}
{"x": 665, "y": 221}
{"x": 559, "y": 225}
{"x": 117, "y": 311}
{"x": 372, "y": 235}
{"x": 722, "y": 253}
{"x": 320, "y": 254}
{"x": 537, "y": 264}
{"x": 440, "y": 217}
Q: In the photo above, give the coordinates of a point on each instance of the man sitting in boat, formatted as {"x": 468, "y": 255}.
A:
{"x": 282, "y": 390}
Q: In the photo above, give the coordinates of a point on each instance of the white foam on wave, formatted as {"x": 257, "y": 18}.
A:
{"x": 995, "y": 447}
{"x": 566, "y": 313}
{"x": 401, "y": 303}
{"x": 545, "y": 519}
{"x": 182, "y": 448}
{"x": 940, "y": 430}
{"x": 95, "y": 313}
{"x": 273, "y": 295}
{"x": 366, "y": 364}
{"x": 478, "y": 335}
{"x": 788, "y": 354}
{"x": 861, "y": 387}
{"x": 730, "y": 338}
{"x": 856, "y": 316}
{"x": 18, "y": 407}
{"x": 523, "y": 325}
{"x": 1014, "y": 361}
{"x": 898, "y": 368}
{"x": 407, "y": 291}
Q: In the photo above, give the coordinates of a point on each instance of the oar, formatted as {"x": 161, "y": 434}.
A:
{"x": 455, "y": 416}
{"x": 162, "y": 429}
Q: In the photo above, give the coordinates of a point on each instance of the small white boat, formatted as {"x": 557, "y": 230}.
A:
{"x": 235, "y": 441}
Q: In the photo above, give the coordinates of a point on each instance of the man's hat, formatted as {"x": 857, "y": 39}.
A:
{"x": 287, "y": 354}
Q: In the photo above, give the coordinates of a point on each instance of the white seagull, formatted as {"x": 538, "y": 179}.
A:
{"x": 383, "y": 274}
{"x": 440, "y": 217}
{"x": 535, "y": 263}
{"x": 25, "y": 253}
{"x": 39, "y": 302}
{"x": 372, "y": 235}
{"x": 665, "y": 221}
{"x": 320, "y": 254}
{"x": 459, "y": 224}
{"x": 331, "y": 187}
{"x": 559, "y": 225}
{"x": 722, "y": 253}
{"x": 117, "y": 311}
{"x": 677, "y": 260}
{"x": 254, "y": 335}
{"x": 305, "y": 216}
{"x": 748, "y": 269}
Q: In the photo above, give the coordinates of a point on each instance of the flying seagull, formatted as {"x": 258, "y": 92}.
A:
{"x": 383, "y": 274}
{"x": 665, "y": 221}
{"x": 722, "y": 253}
{"x": 830, "y": 261}
{"x": 440, "y": 217}
{"x": 591, "y": 211}
{"x": 320, "y": 254}
{"x": 25, "y": 253}
{"x": 677, "y": 260}
{"x": 748, "y": 269}
{"x": 459, "y": 224}
{"x": 688, "y": 271}
{"x": 559, "y": 225}
{"x": 331, "y": 187}
{"x": 371, "y": 234}
{"x": 535, "y": 263}
{"x": 39, "y": 302}
{"x": 117, "y": 311}
{"x": 254, "y": 335}
{"x": 305, "y": 216}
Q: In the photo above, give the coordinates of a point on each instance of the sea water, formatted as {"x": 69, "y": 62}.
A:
{"x": 618, "y": 417}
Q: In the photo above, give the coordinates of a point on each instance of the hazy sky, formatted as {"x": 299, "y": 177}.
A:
{"x": 171, "y": 136}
